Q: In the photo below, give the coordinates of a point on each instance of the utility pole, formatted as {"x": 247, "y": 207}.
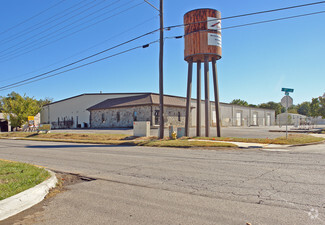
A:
{"x": 161, "y": 71}
{"x": 161, "y": 67}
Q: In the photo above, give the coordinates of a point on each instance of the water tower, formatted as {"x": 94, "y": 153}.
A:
{"x": 202, "y": 44}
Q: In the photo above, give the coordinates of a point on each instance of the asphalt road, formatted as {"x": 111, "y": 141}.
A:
{"x": 141, "y": 185}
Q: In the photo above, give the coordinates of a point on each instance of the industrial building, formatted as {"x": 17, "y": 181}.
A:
{"x": 108, "y": 110}
{"x": 290, "y": 119}
{"x": 72, "y": 112}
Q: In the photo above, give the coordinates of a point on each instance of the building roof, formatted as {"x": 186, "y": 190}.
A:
{"x": 169, "y": 100}
{"x": 140, "y": 100}
{"x": 96, "y": 94}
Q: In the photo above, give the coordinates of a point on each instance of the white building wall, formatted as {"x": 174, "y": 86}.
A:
{"x": 319, "y": 120}
{"x": 292, "y": 118}
{"x": 229, "y": 115}
{"x": 75, "y": 108}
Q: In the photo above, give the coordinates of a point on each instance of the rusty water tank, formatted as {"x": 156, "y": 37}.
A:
{"x": 202, "y": 35}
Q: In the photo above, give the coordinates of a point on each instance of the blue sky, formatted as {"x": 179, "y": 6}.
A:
{"x": 257, "y": 60}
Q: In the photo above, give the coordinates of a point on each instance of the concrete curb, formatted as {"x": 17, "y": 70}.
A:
{"x": 26, "y": 199}
{"x": 306, "y": 144}
{"x": 246, "y": 144}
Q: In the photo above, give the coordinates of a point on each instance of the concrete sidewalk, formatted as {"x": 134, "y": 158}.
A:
{"x": 248, "y": 145}
{"x": 264, "y": 146}
{"x": 318, "y": 135}
{"x": 292, "y": 129}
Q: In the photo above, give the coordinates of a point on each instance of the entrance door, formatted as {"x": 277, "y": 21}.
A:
{"x": 255, "y": 119}
{"x": 238, "y": 119}
{"x": 268, "y": 120}
{"x": 214, "y": 118}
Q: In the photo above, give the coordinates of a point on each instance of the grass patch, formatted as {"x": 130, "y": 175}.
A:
{"x": 122, "y": 139}
{"x": 112, "y": 139}
{"x": 108, "y": 139}
{"x": 293, "y": 139}
{"x": 66, "y": 136}
{"x": 17, "y": 177}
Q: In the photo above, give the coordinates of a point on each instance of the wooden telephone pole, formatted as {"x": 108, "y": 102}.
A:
{"x": 161, "y": 67}
{"x": 161, "y": 71}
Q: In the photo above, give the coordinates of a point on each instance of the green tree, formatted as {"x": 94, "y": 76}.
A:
{"x": 273, "y": 105}
{"x": 322, "y": 107}
{"x": 239, "y": 102}
{"x": 19, "y": 108}
{"x": 304, "y": 108}
{"x": 1, "y": 107}
{"x": 314, "y": 107}
{"x": 45, "y": 101}
{"x": 293, "y": 109}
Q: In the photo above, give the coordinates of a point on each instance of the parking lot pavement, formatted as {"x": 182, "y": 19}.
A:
{"x": 245, "y": 132}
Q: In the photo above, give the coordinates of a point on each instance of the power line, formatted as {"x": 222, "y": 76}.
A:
{"x": 20, "y": 83}
{"x": 80, "y": 60}
{"x": 81, "y": 29}
{"x": 231, "y": 27}
{"x": 83, "y": 65}
{"x": 44, "y": 31}
{"x": 25, "y": 21}
{"x": 265, "y": 21}
{"x": 230, "y": 17}
{"x": 48, "y": 20}
{"x": 273, "y": 20}
{"x": 253, "y": 13}
{"x": 78, "y": 53}
{"x": 32, "y": 79}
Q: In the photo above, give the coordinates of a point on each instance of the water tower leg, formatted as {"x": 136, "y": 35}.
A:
{"x": 188, "y": 97}
{"x": 216, "y": 96}
{"x": 207, "y": 98}
{"x": 198, "y": 100}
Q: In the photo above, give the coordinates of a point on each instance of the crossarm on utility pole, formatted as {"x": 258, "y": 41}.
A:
{"x": 152, "y": 5}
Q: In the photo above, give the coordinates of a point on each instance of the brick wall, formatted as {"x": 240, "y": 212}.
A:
{"x": 108, "y": 118}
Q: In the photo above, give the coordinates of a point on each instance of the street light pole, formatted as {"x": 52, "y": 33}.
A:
{"x": 161, "y": 71}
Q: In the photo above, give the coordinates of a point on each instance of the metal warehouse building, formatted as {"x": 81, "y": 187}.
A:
{"x": 108, "y": 110}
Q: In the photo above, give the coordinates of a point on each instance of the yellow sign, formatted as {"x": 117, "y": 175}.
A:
{"x": 30, "y": 118}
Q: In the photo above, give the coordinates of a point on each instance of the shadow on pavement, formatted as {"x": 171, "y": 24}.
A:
{"x": 76, "y": 146}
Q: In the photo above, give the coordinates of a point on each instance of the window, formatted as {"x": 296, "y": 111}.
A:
{"x": 135, "y": 116}
{"x": 156, "y": 117}
{"x": 103, "y": 118}
{"x": 179, "y": 116}
{"x": 118, "y": 116}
